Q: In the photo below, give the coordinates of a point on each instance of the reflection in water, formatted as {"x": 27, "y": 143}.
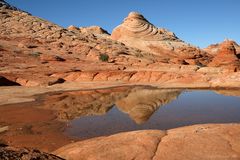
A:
{"x": 235, "y": 92}
{"x": 139, "y": 103}
{"x": 70, "y": 105}
{"x": 108, "y": 111}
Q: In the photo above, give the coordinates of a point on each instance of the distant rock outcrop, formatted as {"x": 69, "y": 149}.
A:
{"x": 225, "y": 55}
{"x": 136, "y": 26}
{"x": 137, "y": 32}
{"x": 96, "y": 30}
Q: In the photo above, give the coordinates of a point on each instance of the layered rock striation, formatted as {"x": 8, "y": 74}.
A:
{"x": 137, "y": 32}
{"x": 226, "y": 54}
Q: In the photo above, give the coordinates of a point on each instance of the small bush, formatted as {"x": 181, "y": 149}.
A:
{"x": 58, "y": 58}
{"x": 103, "y": 57}
{"x": 35, "y": 54}
{"x": 201, "y": 65}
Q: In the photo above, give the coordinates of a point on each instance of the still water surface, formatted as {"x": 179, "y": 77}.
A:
{"x": 97, "y": 113}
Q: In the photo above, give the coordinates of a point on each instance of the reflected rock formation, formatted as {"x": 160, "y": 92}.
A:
{"x": 229, "y": 92}
{"x": 140, "y": 104}
{"x": 70, "y": 105}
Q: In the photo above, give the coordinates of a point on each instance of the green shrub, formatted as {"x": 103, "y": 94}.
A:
{"x": 103, "y": 57}
{"x": 35, "y": 54}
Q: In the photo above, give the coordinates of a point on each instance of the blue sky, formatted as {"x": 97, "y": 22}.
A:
{"x": 199, "y": 22}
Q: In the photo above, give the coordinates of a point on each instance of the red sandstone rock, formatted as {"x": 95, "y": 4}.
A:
{"x": 225, "y": 55}
{"x": 94, "y": 30}
{"x": 35, "y": 52}
{"x": 208, "y": 142}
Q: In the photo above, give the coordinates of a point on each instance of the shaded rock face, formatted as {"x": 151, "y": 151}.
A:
{"x": 208, "y": 142}
{"x": 137, "y": 32}
{"x": 6, "y": 82}
{"x": 10, "y": 153}
{"x": 36, "y": 43}
{"x": 225, "y": 55}
{"x": 4, "y": 4}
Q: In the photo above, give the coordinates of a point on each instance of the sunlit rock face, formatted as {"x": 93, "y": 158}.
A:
{"x": 136, "y": 26}
{"x": 96, "y": 30}
{"x": 137, "y": 32}
{"x": 225, "y": 55}
{"x": 200, "y": 142}
{"x": 141, "y": 104}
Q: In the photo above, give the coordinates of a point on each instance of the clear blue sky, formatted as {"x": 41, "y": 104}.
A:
{"x": 199, "y": 22}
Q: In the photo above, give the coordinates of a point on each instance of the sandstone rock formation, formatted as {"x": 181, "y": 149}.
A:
{"x": 32, "y": 40}
{"x": 96, "y": 30}
{"x": 225, "y": 55}
{"x": 214, "y": 48}
{"x": 208, "y": 142}
{"x": 35, "y": 52}
{"x": 137, "y": 32}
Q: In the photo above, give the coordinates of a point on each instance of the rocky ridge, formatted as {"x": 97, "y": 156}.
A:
{"x": 33, "y": 46}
